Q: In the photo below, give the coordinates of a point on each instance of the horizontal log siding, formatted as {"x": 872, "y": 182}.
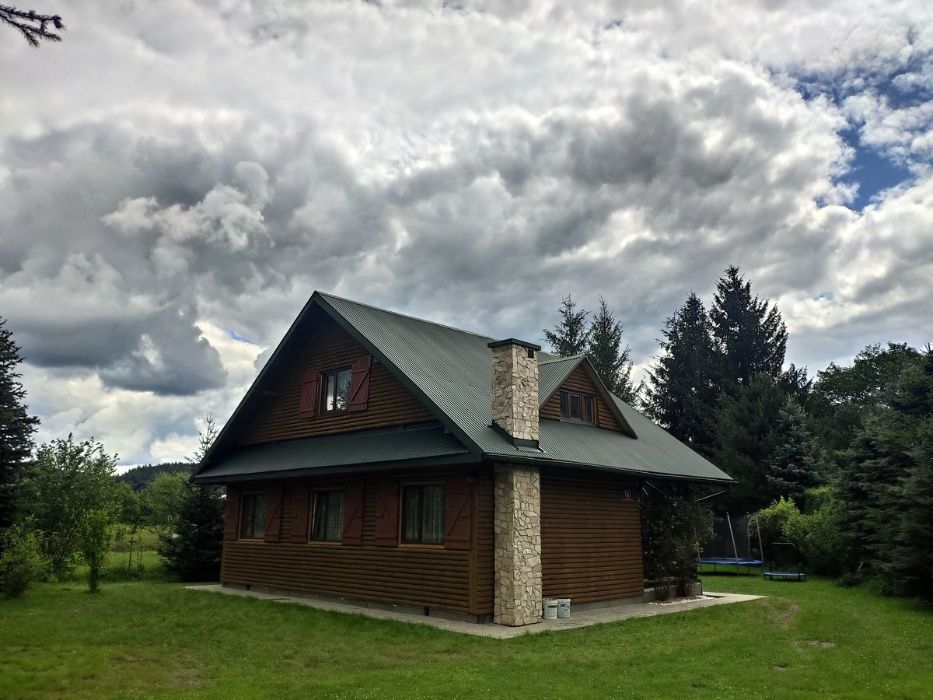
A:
{"x": 485, "y": 544}
{"x": 578, "y": 380}
{"x": 590, "y": 538}
{"x": 329, "y": 348}
{"x": 408, "y": 575}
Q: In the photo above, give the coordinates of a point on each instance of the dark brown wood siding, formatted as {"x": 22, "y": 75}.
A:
{"x": 590, "y": 537}
{"x": 330, "y": 347}
{"x": 417, "y": 575}
{"x": 579, "y": 380}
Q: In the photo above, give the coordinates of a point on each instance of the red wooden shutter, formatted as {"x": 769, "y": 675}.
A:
{"x": 274, "y": 517}
{"x": 359, "y": 383}
{"x": 387, "y": 514}
{"x": 301, "y": 503}
{"x": 232, "y": 513}
{"x": 458, "y": 513}
{"x": 310, "y": 396}
{"x": 353, "y": 513}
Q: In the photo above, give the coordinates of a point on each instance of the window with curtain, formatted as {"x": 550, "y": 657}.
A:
{"x": 335, "y": 389}
{"x": 423, "y": 514}
{"x": 327, "y": 519}
{"x": 253, "y": 516}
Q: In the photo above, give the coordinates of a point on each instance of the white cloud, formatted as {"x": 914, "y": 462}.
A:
{"x": 200, "y": 173}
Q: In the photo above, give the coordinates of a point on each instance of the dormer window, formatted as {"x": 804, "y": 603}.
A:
{"x": 335, "y": 389}
{"x": 576, "y": 407}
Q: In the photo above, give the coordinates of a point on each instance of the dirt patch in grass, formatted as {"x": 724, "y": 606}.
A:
{"x": 821, "y": 643}
{"x": 786, "y": 617}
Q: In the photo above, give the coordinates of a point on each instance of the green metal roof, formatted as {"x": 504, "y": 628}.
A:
{"x": 450, "y": 370}
{"x": 363, "y": 448}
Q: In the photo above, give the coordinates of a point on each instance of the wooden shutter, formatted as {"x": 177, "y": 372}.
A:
{"x": 274, "y": 515}
{"x": 353, "y": 513}
{"x": 359, "y": 383}
{"x": 232, "y": 513}
{"x": 387, "y": 514}
{"x": 309, "y": 396}
{"x": 301, "y": 503}
{"x": 458, "y": 513}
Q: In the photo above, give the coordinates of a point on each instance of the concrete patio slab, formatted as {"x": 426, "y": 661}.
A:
{"x": 578, "y": 619}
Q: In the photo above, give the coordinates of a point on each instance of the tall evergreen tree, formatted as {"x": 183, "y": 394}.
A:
{"x": 792, "y": 466}
{"x": 750, "y": 333}
{"x": 611, "y": 361}
{"x": 570, "y": 336}
{"x": 681, "y": 389}
{"x": 747, "y": 440}
{"x": 16, "y": 427}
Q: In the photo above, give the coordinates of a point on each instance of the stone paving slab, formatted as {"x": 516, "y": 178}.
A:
{"x": 578, "y": 619}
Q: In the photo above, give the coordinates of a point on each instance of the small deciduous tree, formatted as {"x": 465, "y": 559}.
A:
{"x": 68, "y": 480}
{"x": 21, "y": 561}
{"x": 94, "y": 542}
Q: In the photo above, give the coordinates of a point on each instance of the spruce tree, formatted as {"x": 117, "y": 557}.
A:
{"x": 681, "y": 388}
{"x": 749, "y": 333}
{"x": 747, "y": 439}
{"x": 912, "y": 555}
{"x": 792, "y": 466}
{"x": 610, "y": 360}
{"x": 192, "y": 550}
{"x": 16, "y": 427}
{"x": 570, "y": 336}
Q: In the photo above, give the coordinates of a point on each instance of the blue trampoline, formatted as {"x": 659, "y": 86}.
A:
{"x": 735, "y": 562}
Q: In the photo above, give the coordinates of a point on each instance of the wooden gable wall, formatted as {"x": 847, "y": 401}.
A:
{"x": 331, "y": 347}
{"x": 580, "y": 381}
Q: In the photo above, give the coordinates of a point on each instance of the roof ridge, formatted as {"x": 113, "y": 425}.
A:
{"x": 562, "y": 359}
{"x": 328, "y": 295}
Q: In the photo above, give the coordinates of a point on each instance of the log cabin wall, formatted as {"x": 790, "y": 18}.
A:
{"x": 330, "y": 347}
{"x": 432, "y": 576}
{"x": 579, "y": 381}
{"x": 590, "y": 537}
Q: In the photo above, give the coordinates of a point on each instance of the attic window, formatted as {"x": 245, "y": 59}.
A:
{"x": 576, "y": 407}
{"x": 335, "y": 389}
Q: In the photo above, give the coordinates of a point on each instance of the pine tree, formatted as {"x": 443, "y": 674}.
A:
{"x": 912, "y": 555}
{"x": 747, "y": 439}
{"x": 792, "y": 466}
{"x": 192, "y": 551}
{"x": 610, "y": 360}
{"x": 750, "y": 334}
{"x": 681, "y": 390}
{"x": 16, "y": 427}
{"x": 570, "y": 336}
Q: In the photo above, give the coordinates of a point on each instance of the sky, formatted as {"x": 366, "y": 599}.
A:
{"x": 176, "y": 178}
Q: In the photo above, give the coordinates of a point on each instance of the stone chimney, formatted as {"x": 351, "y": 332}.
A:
{"x": 515, "y": 389}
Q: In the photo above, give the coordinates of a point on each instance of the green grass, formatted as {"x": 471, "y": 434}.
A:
{"x": 146, "y": 639}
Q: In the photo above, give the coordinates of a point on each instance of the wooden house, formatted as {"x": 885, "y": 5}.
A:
{"x": 383, "y": 458}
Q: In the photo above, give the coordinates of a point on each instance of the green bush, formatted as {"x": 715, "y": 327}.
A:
{"x": 21, "y": 562}
{"x": 817, "y": 534}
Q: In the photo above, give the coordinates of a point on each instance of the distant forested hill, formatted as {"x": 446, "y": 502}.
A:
{"x": 140, "y": 477}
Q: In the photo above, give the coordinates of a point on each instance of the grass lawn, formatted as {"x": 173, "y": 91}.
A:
{"x": 145, "y": 639}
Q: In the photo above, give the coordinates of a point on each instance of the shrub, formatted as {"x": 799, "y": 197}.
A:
{"x": 673, "y": 524}
{"x": 21, "y": 562}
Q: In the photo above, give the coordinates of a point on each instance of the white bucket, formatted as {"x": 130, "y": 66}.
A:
{"x": 563, "y": 607}
{"x": 550, "y": 609}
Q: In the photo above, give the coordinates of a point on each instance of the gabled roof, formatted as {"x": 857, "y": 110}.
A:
{"x": 450, "y": 370}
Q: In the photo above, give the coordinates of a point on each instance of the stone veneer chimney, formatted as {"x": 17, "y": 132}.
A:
{"x": 515, "y": 388}
{"x": 517, "y": 514}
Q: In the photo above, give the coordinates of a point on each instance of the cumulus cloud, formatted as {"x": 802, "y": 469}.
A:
{"x": 167, "y": 212}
